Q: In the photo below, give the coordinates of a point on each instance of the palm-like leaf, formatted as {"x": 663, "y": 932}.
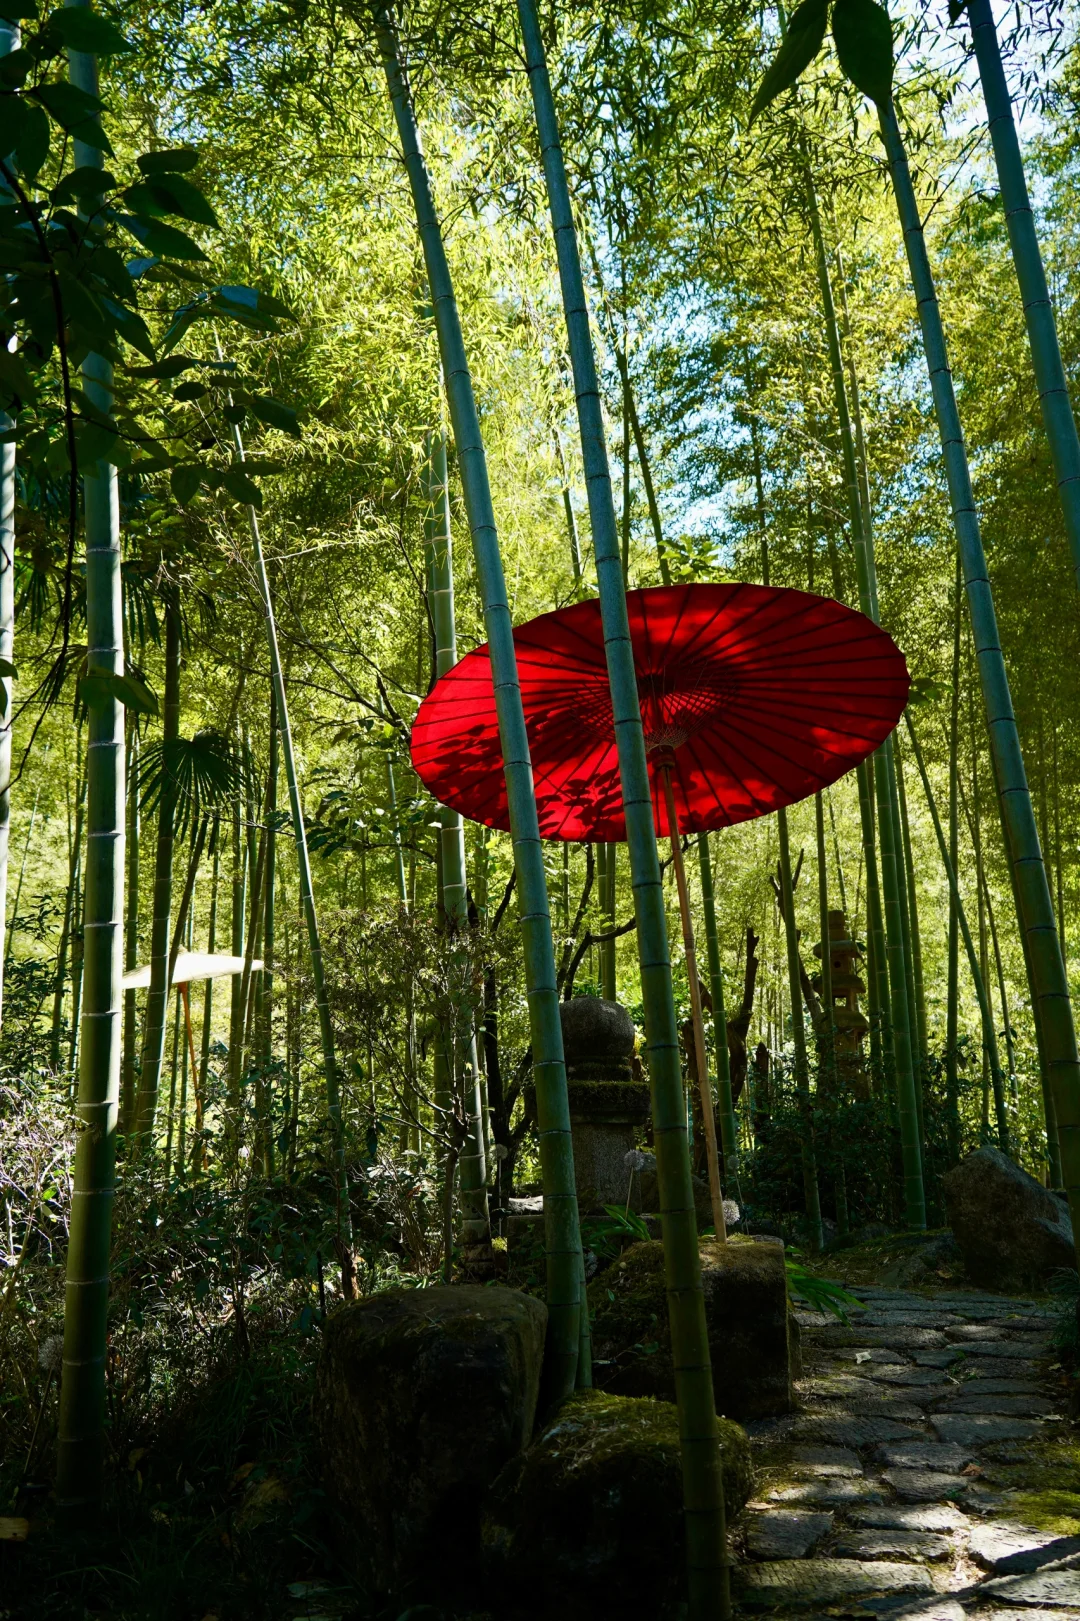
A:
{"x": 204, "y": 772}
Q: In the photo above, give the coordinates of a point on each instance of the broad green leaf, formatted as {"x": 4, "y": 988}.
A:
{"x": 171, "y": 194}
{"x": 85, "y": 181}
{"x": 273, "y": 413}
{"x": 234, "y": 414}
{"x": 13, "y": 112}
{"x": 185, "y": 481}
{"x": 190, "y": 391}
{"x": 956, "y": 10}
{"x": 131, "y": 326}
{"x": 32, "y": 142}
{"x": 96, "y": 689}
{"x": 7, "y": 669}
{"x": 177, "y": 160}
{"x": 15, "y": 377}
{"x": 164, "y": 240}
{"x": 801, "y": 43}
{"x": 241, "y": 488}
{"x": 81, "y": 29}
{"x": 15, "y": 67}
{"x": 863, "y": 37}
{"x": 67, "y": 103}
{"x": 94, "y": 444}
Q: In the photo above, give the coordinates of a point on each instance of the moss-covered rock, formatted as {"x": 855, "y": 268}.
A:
{"x": 589, "y": 1522}
{"x": 746, "y": 1307}
{"x": 422, "y": 1397}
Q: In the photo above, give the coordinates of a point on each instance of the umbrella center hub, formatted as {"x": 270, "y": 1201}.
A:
{"x": 666, "y": 737}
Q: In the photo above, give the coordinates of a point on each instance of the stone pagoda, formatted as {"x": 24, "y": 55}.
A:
{"x": 849, "y": 1021}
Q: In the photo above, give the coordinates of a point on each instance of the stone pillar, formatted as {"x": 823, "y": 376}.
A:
{"x": 609, "y": 1100}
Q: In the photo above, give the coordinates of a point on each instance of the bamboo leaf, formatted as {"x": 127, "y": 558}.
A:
{"x": 96, "y": 689}
{"x": 801, "y": 43}
{"x": 863, "y": 37}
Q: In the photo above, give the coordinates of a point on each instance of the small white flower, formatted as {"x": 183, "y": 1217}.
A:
{"x": 635, "y": 1160}
{"x": 731, "y": 1212}
{"x": 501, "y": 1151}
{"x": 245, "y": 1153}
{"x": 51, "y": 1353}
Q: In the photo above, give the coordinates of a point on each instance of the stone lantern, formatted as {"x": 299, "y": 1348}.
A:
{"x": 849, "y": 1022}
{"x": 609, "y": 1100}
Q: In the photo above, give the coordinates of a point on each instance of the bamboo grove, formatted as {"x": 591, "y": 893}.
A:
{"x": 326, "y": 362}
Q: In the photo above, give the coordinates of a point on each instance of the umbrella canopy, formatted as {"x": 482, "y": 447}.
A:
{"x": 757, "y": 696}
{"x": 191, "y": 965}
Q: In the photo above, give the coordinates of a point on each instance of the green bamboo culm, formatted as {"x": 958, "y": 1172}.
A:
{"x": 808, "y": 1153}
{"x": 307, "y": 902}
{"x": 9, "y": 41}
{"x": 81, "y": 1420}
{"x": 157, "y": 996}
{"x": 561, "y": 1228}
{"x": 438, "y": 544}
{"x": 1057, "y": 414}
{"x": 729, "y": 1131}
{"x": 888, "y": 821}
{"x": 1049, "y": 983}
{"x": 703, "y": 1499}
{"x": 989, "y": 1034}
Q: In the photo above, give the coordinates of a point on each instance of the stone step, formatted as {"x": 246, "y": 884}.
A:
{"x": 853, "y": 1432}
{"x": 943, "y": 1456}
{"x": 925, "y": 1485}
{"x": 781, "y": 1533}
{"x": 910, "y": 1517}
{"x": 897, "y": 1544}
{"x": 828, "y": 1493}
{"x": 975, "y": 1429}
{"x": 1011, "y": 1549}
{"x": 804, "y": 1582}
{"x": 989, "y": 1402}
{"x": 1060, "y": 1588}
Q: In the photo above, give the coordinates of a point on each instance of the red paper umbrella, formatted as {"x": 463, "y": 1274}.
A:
{"x": 755, "y": 696}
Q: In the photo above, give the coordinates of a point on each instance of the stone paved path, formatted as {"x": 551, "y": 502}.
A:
{"x": 927, "y": 1431}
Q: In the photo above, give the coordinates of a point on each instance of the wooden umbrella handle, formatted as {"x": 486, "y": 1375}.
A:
{"x": 707, "y": 1110}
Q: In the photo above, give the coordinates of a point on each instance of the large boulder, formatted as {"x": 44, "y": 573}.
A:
{"x": 422, "y": 1397}
{"x": 752, "y": 1337}
{"x": 588, "y": 1524}
{"x": 1012, "y": 1231}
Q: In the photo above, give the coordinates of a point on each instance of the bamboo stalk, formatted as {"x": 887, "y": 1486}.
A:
{"x": 440, "y": 571}
{"x": 1057, "y": 415}
{"x": 703, "y": 1498}
{"x": 562, "y": 1233}
{"x": 157, "y": 996}
{"x": 81, "y": 1435}
{"x": 952, "y": 1026}
{"x": 9, "y": 41}
{"x": 729, "y": 1134}
{"x": 798, "y": 1037}
{"x": 1049, "y": 984}
{"x": 307, "y": 902}
{"x": 985, "y": 1013}
{"x": 708, "y": 1112}
{"x": 130, "y": 1072}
